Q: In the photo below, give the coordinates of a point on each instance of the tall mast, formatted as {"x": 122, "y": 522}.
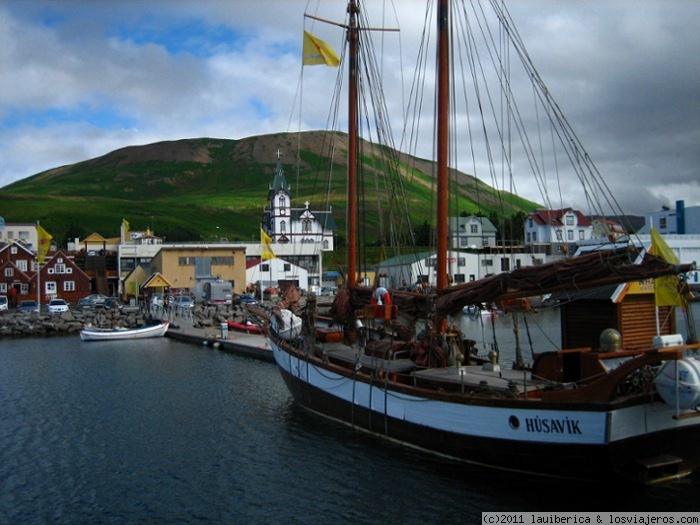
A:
{"x": 443, "y": 104}
{"x": 353, "y": 43}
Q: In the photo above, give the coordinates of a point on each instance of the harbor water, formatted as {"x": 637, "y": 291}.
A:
{"x": 159, "y": 431}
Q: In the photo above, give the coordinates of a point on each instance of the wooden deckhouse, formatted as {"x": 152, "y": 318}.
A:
{"x": 628, "y": 308}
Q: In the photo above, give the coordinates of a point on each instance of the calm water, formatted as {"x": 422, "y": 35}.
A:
{"x": 166, "y": 432}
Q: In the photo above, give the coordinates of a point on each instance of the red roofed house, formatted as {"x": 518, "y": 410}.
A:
{"x": 556, "y": 231}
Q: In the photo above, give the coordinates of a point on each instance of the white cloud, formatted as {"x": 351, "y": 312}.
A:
{"x": 85, "y": 81}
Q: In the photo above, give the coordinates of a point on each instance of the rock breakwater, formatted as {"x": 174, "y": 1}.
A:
{"x": 21, "y": 324}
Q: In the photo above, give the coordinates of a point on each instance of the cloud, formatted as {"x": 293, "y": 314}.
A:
{"x": 84, "y": 81}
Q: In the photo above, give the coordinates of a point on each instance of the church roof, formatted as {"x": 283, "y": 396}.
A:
{"x": 279, "y": 182}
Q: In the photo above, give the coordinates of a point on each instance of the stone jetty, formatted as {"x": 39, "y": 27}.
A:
{"x": 20, "y": 324}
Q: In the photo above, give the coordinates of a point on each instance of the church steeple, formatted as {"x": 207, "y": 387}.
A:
{"x": 279, "y": 182}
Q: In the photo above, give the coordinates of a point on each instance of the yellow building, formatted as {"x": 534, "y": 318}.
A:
{"x": 189, "y": 267}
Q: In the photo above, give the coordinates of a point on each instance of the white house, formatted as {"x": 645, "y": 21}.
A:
{"x": 472, "y": 232}
{"x": 276, "y": 273}
{"x": 563, "y": 228}
{"x": 407, "y": 271}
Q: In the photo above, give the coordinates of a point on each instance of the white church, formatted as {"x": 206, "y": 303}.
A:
{"x": 287, "y": 225}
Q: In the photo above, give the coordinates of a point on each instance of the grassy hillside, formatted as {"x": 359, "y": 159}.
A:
{"x": 196, "y": 189}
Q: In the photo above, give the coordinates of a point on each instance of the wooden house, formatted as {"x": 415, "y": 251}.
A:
{"x": 60, "y": 277}
{"x": 17, "y": 265}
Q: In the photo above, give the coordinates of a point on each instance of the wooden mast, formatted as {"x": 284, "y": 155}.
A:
{"x": 353, "y": 37}
{"x": 442, "y": 145}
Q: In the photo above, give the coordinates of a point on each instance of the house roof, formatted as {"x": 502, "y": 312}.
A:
{"x": 462, "y": 222}
{"x": 554, "y": 217}
{"x": 156, "y": 280}
{"x": 93, "y": 237}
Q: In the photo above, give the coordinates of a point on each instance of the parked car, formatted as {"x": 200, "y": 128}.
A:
{"x": 96, "y": 298}
{"x": 184, "y": 301}
{"x": 56, "y": 306}
{"x": 3, "y": 303}
{"x": 28, "y": 305}
{"x": 86, "y": 303}
{"x": 245, "y": 298}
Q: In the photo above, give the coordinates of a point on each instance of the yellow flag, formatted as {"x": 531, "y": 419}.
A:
{"x": 266, "y": 250}
{"x": 44, "y": 243}
{"x": 317, "y": 52}
{"x": 125, "y": 229}
{"x": 666, "y": 287}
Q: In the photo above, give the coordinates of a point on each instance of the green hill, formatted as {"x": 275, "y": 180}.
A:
{"x": 200, "y": 189}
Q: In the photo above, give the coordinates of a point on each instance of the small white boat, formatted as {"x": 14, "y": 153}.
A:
{"x": 90, "y": 333}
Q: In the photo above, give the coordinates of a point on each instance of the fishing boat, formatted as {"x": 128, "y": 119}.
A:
{"x": 402, "y": 371}
{"x": 91, "y": 333}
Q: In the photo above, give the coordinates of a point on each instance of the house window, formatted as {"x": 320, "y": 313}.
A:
{"x": 283, "y": 227}
{"x": 569, "y": 220}
{"x": 570, "y": 235}
{"x": 581, "y": 235}
{"x": 68, "y": 286}
{"x": 475, "y": 228}
{"x": 527, "y": 236}
{"x": 282, "y": 204}
{"x": 50, "y": 287}
{"x": 24, "y": 288}
{"x": 9, "y": 272}
{"x": 3, "y": 288}
{"x": 662, "y": 223}
{"x": 306, "y": 226}
{"x": 264, "y": 267}
{"x": 13, "y": 250}
{"x": 505, "y": 264}
{"x": 559, "y": 236}
{"x": 22, "y": 265}
{"x": 60, "y": 268}
{"x": 287, "y": 267}
{"x": 529, "y": 223}
{"x": 534, "y": 236}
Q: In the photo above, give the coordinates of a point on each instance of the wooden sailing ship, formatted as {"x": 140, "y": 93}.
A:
{"x": 599, "y": 412}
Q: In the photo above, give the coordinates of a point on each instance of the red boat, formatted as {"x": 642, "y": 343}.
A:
{"x": 247, "y": 327}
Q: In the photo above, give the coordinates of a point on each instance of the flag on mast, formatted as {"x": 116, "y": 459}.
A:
{"x": 317, "y": 52}
{"x": 44, "y": 243}
{"x": 266, "y": 250}
{"x": 666, "y": 287}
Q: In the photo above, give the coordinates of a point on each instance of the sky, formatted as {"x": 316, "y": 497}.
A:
{"x": 79, "y": 79}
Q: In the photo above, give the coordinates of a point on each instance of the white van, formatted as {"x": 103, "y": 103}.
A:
{"x": 3, "y": 303}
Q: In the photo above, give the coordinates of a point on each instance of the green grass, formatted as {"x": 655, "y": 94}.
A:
{"x": 188, "y": 199}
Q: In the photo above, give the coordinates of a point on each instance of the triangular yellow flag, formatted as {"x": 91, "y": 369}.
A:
{"x": 44, "y": 243}
{"x": 666, "y": 287}
{"x": 317, "y": 52}
{"x": 266, "y": 251}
